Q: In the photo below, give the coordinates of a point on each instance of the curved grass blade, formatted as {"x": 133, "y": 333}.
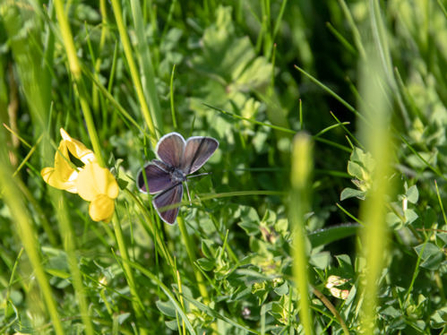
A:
{"x": 327, "y": 89}
{"x": 286, "y": 130}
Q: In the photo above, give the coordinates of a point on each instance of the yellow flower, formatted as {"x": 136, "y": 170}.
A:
{"x": 64, "y": 174}
{"x": 92, "y": 182}
{"x": 97, "y": 184}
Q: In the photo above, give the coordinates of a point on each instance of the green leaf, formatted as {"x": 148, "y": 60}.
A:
{"x": 206, "y": 264}
{"x": 224, "y": 54}
{"x": 255, "y": 76}
{"x": 439, "y": 318}
{"x": 355, "y": 170}
{"x": 269, "y": 218}
{"x": 391, "y": 312}
{"x": 364, "y": 159}
{"x": 320, "y": 260}
{"x": 413, "y": 194}
{"x": 172, "y": 324}
{"x": 166, "y": 307}
{"x": 352, "y": 193}
{"x": 282, "y": 226}
{"x": 123, "y": 317}
{"x": 393, "y": 220}
{"x": 328, "y": 235}
{"x": 431, "y": 255}
{"x": 410, "y": 216}
{"x": 208, "y": 249}
{"x": 250, "y": 227}
{"x": 283, "y": 289}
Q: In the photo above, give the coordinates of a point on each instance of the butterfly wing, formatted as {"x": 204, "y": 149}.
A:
{"x": 170, "y": 197}
{"x": 198, "y": 150}
{"x": 158, "y": 177}
{"x": 170, "y": 149}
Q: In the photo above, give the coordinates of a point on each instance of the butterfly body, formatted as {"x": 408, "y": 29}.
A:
{"x": 176, "y": 174}
{"x": 165, "y": 176}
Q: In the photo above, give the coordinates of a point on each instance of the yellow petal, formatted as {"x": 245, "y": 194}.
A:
{"x": 86, "y": 183}
{"x": 51, "y": 177}
{"x": 94, "y": 180}
{"x": 77, "y": 148}
{"x": 63, "y": 175}
{"x": 101, "y": 209}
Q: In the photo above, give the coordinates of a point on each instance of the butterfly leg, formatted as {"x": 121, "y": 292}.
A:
{"x": 187, "y": 191}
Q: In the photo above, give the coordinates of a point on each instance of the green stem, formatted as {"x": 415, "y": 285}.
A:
{"x": 373, "y": 211}
{"x": 156, "y": 235}
{"x": 75, "y": 69}
{"x": 68, "y": 239}
{"x": 302, "y": 165}
{"x": 144, "y": 56}
{"x": 174, "y": 120}
{"x": 136, "y": 302}
{"x": 332, "y": 308}
{"x": 192, "y": 257}
{"x": 133, "y": 69}
{"x": 104, "y": 33}
{"x": 24, "y": 228}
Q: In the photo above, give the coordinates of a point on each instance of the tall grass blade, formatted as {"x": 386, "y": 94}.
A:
{"x": 75, "y": 68}
{"x": 302, "y": 167}
{"x": 376, "y": 135}
{"x": 147, "y": 72}
{"x": 117, "y": 10}
{"x": 24, "y": 229}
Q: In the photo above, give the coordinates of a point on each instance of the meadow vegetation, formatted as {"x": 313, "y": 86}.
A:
{"x": 323, "y": 212}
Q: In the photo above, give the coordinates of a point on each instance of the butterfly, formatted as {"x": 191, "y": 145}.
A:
{"x": 165, "y": 176}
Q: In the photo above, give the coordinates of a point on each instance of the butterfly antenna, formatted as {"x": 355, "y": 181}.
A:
{"x": 199, "y": 175}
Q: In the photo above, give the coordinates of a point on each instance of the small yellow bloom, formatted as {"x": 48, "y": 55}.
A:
{"x": 97, "y": 184}
{"x": 92, "y": 182}
{"x": 63, "y": 175}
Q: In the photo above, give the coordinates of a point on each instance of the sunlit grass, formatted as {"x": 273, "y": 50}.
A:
{"x": 323, "y": 210}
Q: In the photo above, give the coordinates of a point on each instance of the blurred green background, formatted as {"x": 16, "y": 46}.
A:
{"x": 119, "y": 75}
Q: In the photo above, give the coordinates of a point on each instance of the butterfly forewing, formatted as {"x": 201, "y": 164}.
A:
{"x": 157, "y": 178}
{"x": 169, "y": 197}
{"x": 170, "y": 149}
{"x": 198, "y": 150}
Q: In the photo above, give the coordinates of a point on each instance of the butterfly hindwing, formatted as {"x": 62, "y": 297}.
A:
{"x": 168, "y": 198}
{"x": 158, "y": 178}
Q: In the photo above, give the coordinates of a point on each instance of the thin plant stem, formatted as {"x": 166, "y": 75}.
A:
{"x": 168, "y": 291}
{"x": 153, "y": 230}
{"x": 136, "y": 302}
{"x": 192, "y": 257}
{"x": 70, "y": 249}
{"x": 75, "y": 69}
{"x": 332, "y": 308}
{"x": 144, "y": 56}
{"x": 133, "y": 70}
{"x": 174, "y": 119}
{"x": 98, "y": 62}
